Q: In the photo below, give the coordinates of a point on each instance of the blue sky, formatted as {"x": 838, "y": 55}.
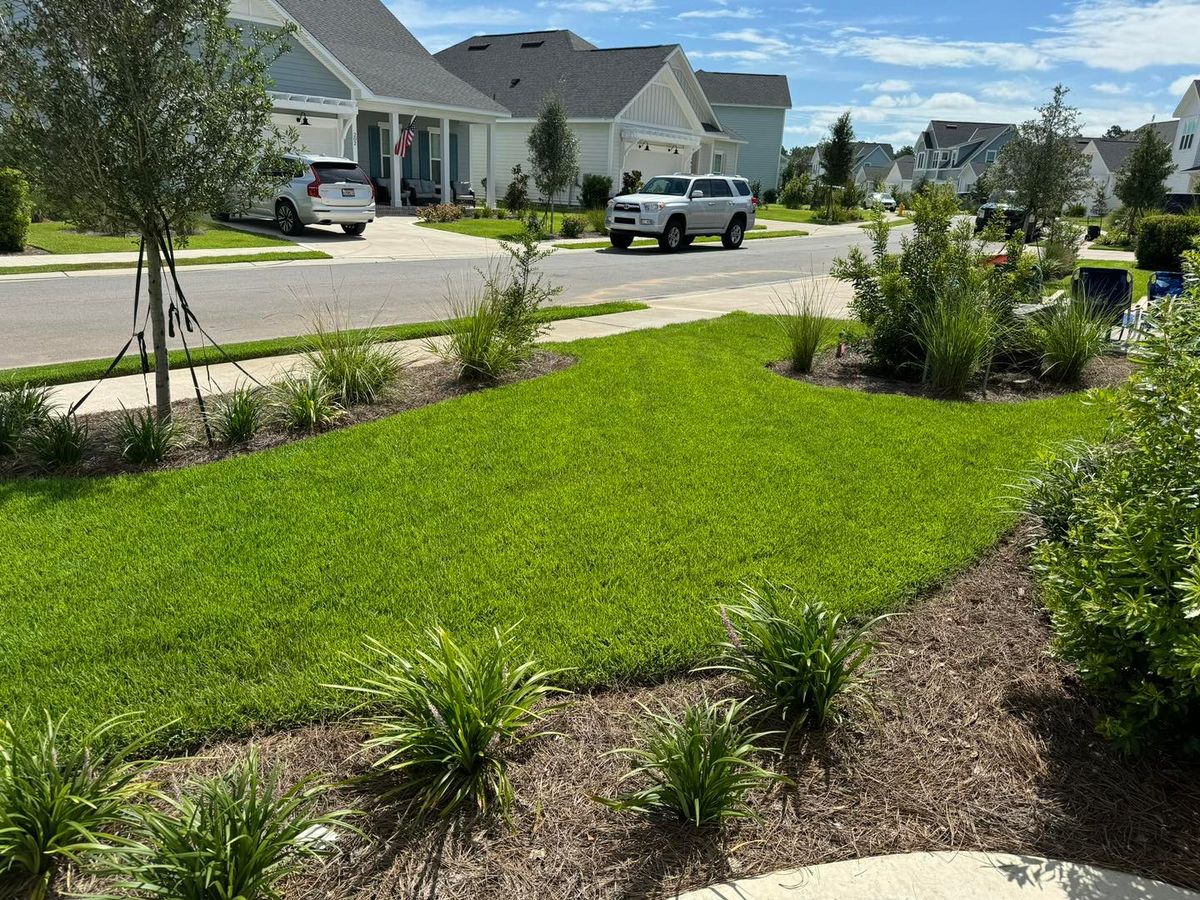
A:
{"x": 1124, "y": 60}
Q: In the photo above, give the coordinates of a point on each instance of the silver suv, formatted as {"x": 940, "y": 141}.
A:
{"x": 318, "y": 190}
{"x": 678, "y": 208}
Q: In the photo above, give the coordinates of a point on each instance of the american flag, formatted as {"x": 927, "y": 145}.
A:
{"x": 406, "y": 138}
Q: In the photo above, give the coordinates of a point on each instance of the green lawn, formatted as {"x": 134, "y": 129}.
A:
{"x": 59, "y": 237}
{"x": 267, "y": 256}
{"x": 707, "y": 239}
{"x": 498, "y": 229}
{"x": 606, "y": 508}
{"x": 783, "y": 214}
{"x": 87, "y": 369}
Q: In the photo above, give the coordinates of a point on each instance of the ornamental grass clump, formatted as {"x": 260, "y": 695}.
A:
{"x": 144, "y": 438}
{"x": 59, "y": 441}
{"x": 1069, "y": 336}
{"x": 238, "y": 416}
{"x": 800, "y": 659}
{"x": 806, "y": 325}
{"x": 22, "y": 407}
{"x": 698, "y": 767}
{"x": 232, "y": 837}
{"x": 305, "y": 402}
{"x": 957, "y": 335}
{"x": 353, "y": 363}
{"x": 61, "y": 803}
{"x": 444, "y": 720}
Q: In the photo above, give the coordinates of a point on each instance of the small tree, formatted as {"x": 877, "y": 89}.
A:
{"x": 516, "y": 195}
{"x": 15, "y": 210}
{"x": 139, "y": 115}
{"x": 1114, "y": 133}
{"x": 1044, "y": 165}
{"x": 981, "y": 190}
{"x": 1141, "y": 183}
{"x": 906, "y": 150}
{"x": 837, "y": 153}
{"x": 1100, "y": 200}
{"x": 553, "y": 151}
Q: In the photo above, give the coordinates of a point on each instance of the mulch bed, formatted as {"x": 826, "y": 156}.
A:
{"x": 977, "y": 740}
{"x": 418, "y": 386}
{"x": 852, "y": 371}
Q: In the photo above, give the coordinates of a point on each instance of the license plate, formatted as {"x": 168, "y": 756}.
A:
{"x": 347, "y": 192}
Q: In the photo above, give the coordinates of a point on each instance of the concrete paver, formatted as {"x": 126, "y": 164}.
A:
{"x": 945, "y": 875}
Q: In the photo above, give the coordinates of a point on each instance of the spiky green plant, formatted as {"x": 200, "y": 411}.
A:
{"x": 355, "y": 364}
{"x": 238, "y": 416}
{"x": 448, "y": 716}
{"x": 799, "y": 659}
{"x": 61, "y": 802}
{"x": 478, "y": 344}
{"x": 698, "y": 767}
{"x": 957, "y": 335}
{"x": 1069, "y": 336}
{"x": 60, "y": 441}
{"x": 232, "y": 837}
{"x": 807, "y": 327}
{"x": 144, "y": 438}
{"x": 305, "y": 402}
{"x": 22, "y": 407}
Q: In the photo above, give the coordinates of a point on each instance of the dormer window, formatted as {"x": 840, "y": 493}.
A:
{"x": 529, "y": 45}
{"x": 478, "y": 46}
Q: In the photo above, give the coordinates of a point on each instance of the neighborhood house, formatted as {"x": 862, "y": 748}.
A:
{"x": 958, "y": 153}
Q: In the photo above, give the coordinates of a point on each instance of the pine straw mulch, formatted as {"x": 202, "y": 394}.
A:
{"x": 852, "y": 371}
{"x": 417, "y": 386}
{"x": 978, "y": 740}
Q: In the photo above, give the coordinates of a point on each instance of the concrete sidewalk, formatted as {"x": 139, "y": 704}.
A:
{"x": 129, "y": 391}
{"x": 34, "y": 260}
{"x": 945, "y": 875}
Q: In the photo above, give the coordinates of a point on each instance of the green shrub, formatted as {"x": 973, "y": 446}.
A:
{"x": 477, "y": 344}
{"x": 595, "y": 191}
{"x": 806, "y": 324}
{"x": 1162, "y": 240}
{"x": 799, "y": 658}
{"x": 631, "y": 182}
{"x": 305, "y": 402}
{"x": 1119, "y": 558}
{"x": 770, "y": 195}
{"x": 352, "y": 362}
{"x": 441, "y": 212}
{"x": 1068, "y": 337}
{"x": 22, "y": 407}
{"x": 516, "y": 195}
{"x": 957, "y": 335}
{"x": 595, "y": 220}
{"x": 448, "y": 717}
{"x": 144, "y": 438}
{"x": 16, "y": 210}
{"x": 1059, "y": 252}
{"x": 699, "y": 767}
{"x": 238, "y": 416}
{"x": 1077, "y": 210}
{"x": 234, "y": 836}
{"x": 572, "y": 226}
{"x": 59, "y": 441}
{"x": 59, "y": 802}
{"x": 796, "y": 192}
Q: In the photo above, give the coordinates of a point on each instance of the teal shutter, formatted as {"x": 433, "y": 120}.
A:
{"x": 454, "y": 157}
{"x": 423, "y": 141}
{"x": 407, "y": 167}
{"x": 374, "y": 162}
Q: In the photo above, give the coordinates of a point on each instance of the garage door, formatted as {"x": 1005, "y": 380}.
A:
{"x": 321, "y": 137}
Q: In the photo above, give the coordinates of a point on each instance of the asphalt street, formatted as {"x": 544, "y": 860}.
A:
{"x": 85, "y": 316}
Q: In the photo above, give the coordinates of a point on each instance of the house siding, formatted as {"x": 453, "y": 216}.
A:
{"x": 512, "y": 148}
{"x": 297, "y": 71}
{"x": 762, "y": 128}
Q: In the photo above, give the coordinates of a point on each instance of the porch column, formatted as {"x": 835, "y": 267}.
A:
{"x": 397, "y": 162}
{"x": 354, "y": 139}
{"x": 446, "y": 195}
{"x": 490, "y": 199}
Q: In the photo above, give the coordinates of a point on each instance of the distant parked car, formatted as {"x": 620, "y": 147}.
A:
{"x": 676, "y": 209}
{"x": 887, "y": 201}
{"x": 1014, "y": 217}
{"x": 317, "y": 190}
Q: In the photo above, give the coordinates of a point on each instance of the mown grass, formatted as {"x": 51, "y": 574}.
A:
{"x": 706, "y": 239}
{"x": 781, "y": 213}
{"x": 269, "y": 256}
{"x": 61, "y": 237}
{"x": 606, "y": 508}
{"x": 497, "y": 229}
{"x": 87, "y": 369}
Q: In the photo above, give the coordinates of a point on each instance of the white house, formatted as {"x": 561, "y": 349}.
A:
{"x": 958, "y": 153}
{"x": 632, "y": 108}
{"x": 1186, "y": 143}
{"x": 899, "y": 178}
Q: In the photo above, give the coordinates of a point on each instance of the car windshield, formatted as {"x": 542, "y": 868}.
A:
{"x": 674, "y": 187}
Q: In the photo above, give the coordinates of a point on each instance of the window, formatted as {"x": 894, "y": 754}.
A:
{"x": 530, "y": 45}
{"x": 336, "y": 171}
{"x": 1188, "y": 134}
{"x": 385, "y": 152}
{"x": 742, "y": 188}
{"x": 921, "y": 160}
{"x": 435, "y": 155}
{"x": 990, "y": 156}
{"x": 478, "y": 46}
{"x": 718, "y": 163}
{"x": 702, "y": 187}
{"x": 720, "y": 187}
{"x": 670, "y": 187}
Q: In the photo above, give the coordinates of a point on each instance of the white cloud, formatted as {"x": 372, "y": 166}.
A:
{"x": 1112, "y": 88}
{"x": 923, "y": 53}
{"x": 720, "y": 12}
{"x": 1179, "y": 85}
{"x": 739, "y": 55}
{"x": 890, "y": 85}
{"x": 416, "y": 14}
{"x": 1126, "y": 35}
{"x": 602, "y": 6}
{"x": 1008, "y": 90}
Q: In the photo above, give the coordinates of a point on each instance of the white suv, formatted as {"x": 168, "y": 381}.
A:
{"x": 677, "y": 208}
{"x": 318, "y": 190}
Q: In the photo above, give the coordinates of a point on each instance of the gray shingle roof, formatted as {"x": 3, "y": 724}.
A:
{"x": 951, "y": 134}
{"x": 1114, "y": 153}
{"x": 520, "y": 70}
{"x": 1165, "y": 130}
{"x": 905, "y": 165}
{"x": 381, "y": 53}
{"x": 744, "y": 89}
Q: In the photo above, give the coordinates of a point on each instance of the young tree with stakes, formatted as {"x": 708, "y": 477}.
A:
{"x": 1044, "y": 165}
{"x": 553, "y": 151}
{"x": 1141, "y": 183}
{"x": 137, "y": 115}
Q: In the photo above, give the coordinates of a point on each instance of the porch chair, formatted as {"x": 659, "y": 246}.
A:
{"x": 1161, "y": 286}
{"x": 464, "y": 194}
{"x": 1110, "y": 290}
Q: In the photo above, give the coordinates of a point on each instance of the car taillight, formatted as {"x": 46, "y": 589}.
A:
{"x": 314, "y": 188}
{"x": 371, "y": 182}
{"x": 754, "y": 202}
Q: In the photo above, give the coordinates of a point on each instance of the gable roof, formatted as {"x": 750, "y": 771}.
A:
{"x": 947, "y": 134}
{"x": 744, "y": 89}
{"x": 1165, "y": 130}
{"x": 863, "y": 149}
{"x": 1113, "y": 152}
{"x": 518, "y": 70}
{"x": 904, "y": 165}
{"x": 1193, "y": 88}
{"x": 381, "y": 53}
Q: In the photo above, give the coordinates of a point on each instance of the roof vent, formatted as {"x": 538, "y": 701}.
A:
{"x": 514, "y": 82}
{"x": 529, "y": 45}
{"x": 950, "y": 127}
{"x": 478, "y": 46}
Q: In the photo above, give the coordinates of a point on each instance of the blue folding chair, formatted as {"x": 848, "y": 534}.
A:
{"x": 1109, "y": 290}
{"x": 1164, "y": 284}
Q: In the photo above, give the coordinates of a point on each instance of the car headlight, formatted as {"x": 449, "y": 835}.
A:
{"x": 654, "y": 207}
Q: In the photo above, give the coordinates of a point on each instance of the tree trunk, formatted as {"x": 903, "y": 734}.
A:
{"x": 158, "y": 328}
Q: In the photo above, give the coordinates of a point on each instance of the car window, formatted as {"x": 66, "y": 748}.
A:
{"x": 336, "y": 171}
{"x": 672, "y": 187}
{"x": 742, "y": 188}
{"x": 720, "y": 188}
{"x": 702, "y": 185}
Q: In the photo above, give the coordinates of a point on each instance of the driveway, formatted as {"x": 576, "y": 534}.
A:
{"x": 395, "y": 238}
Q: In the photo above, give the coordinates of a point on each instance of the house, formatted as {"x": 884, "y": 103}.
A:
{"x": 1105, "y": 158}
{"x": 632, "y": 108}
{"x": 899, "y": 178}
{"x": 1186, "y": 143}
{"x": 872, "y": 162}
{"x": 754, "y": 107}
{"x": 958, "y": 153}
{"x": 354, "y": 76}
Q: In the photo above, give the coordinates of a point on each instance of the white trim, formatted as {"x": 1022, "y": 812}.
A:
{"x": 312, "y": 103}
{"x": 661, "y": 136}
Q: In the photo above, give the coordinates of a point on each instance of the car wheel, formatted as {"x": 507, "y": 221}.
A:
{"x": 355, "y": 228}
{"x": 672, "y": 239}
{"x": 287, "y": 219}
{"x": 687, "y": 239}
{"x": 734, "y": 235}
{"x": 621, "y": 241}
